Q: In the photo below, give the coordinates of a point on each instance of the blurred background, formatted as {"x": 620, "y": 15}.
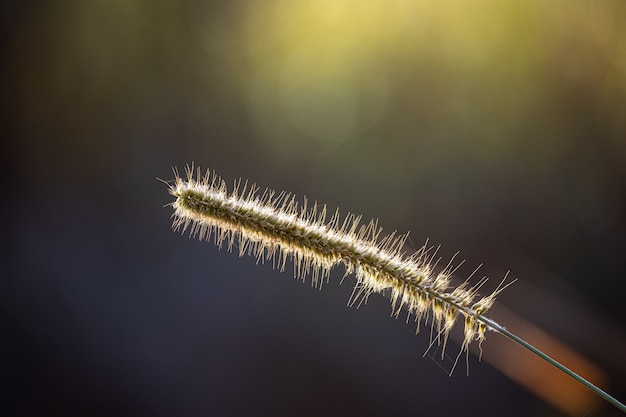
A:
{"x": 495, "y": 128}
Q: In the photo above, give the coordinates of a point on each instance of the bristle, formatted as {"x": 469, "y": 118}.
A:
{"x": 277, "y": 227}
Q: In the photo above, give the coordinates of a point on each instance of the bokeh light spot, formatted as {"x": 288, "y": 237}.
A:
{"x": 368, "y": 20}
{"x": 332, "y": 90}
{"x": 322, "y": 94}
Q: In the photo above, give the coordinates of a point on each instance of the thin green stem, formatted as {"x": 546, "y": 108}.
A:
{"x": 495, "y": 326}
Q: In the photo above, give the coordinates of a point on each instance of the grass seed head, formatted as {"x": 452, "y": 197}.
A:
{"x": 276, "y": 227}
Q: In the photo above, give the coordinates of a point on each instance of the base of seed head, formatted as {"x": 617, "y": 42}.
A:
{"x": 276, "y": 227}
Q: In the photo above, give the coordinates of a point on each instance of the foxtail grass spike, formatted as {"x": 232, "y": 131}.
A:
{"x": 277, "y": 227}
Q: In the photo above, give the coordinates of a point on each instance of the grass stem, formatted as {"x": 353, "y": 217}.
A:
{"x": 600, "y": 392}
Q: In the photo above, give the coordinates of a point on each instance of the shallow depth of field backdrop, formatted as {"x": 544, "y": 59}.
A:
{"x": 495, "y": 128}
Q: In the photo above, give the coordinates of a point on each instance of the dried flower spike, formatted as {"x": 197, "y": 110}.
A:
{"x": 275, "y": 227}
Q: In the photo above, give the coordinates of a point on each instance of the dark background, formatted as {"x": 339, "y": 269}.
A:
{"x": 494, "y": 128}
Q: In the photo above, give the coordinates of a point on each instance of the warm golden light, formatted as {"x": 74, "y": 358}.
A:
{"x": 331, "y": 61}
